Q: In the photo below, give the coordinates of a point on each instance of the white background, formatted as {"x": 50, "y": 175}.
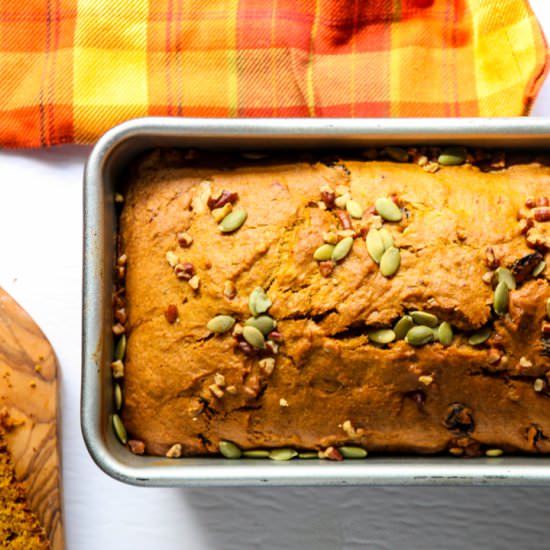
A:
{"x": 41, "y": 267}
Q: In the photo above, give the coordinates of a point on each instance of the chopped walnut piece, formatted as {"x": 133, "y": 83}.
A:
{"x": 229, "y": 290}
{"x": 171, "y": 313}
{"x": 340, "y": 202}
{"x": 283, "y": 402}
{"x": 219, "y": 379}
{"x": 498, "y": 161}
{"x": 525, "y": 363}
{"x": 494, "y": 356}
{"x": 487, "y": 277}
{"x": 331, "y": 453}
{"x": 184, "y": 239}
{"x": 537, "y": 239}
{"x": 525, "y": 224}
{"x": 174, "y": 451}
{"x": 117, "y": 367}
{"x": 137, "y": 447}
{"x": 330, "y": 237}
{"x": 219, "y": 213}
{"x": 120, "y": 315}
{"x": 216, "y": 391}
{"x": 222, "y": 199}
{"x": 431, "y": 167}
{"x": 252, "y": 386}
{"x": 194, "y": 282}
{"x": 184, "y": 271}
{"x": 272, "y": 347}
{"x": 267, "y": 365}
{"x": 172, "y": 258}
{"x": 326, "y": 268}
{"x": 426, "y": 380}
{"x": 345, "y": 233}
{"x": 231, "y": 389}
{"x": 118, "y": 329}
{"x": 121, "y": 260}
{"x": 490, "y": 259}
{"x": 348, "y": 427}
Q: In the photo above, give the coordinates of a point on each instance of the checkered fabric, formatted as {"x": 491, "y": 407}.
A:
{"x": 71, "y": 69}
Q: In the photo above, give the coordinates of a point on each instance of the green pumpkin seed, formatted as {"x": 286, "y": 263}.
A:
{"x": 388, "y": 209}
{"x": 493, "y": 452}
{"x": 445, "y": 334}
{"x": 424, "y": 318}
{"x": 282, "y": 454}
{"x": 308, "y": 455}
{"x": 233, "y": 221}
{"x": 220, "y": 324}
{"x": 256, "y": 453}
{"x": 397, "y": 153}
{"x": 452, "y": 156}
{"x": 390, "y": 261}
{"x": 117, "y": 392}
{"x": 403, "y": 326}
{"x": 505, "y": 275}
{"x": 230, "y": 450}
{"x": 500, "y": 298}
{"x": 480, "y": 336}
{"x": 264, "y": 323}
{"x": 387, "y": 239}
{"x": 548, "y": 308}
{"x": 120, "y": 349}
{"x": 382, "y": 336}
{"x": 539, "y": 269}
{"x": 419, "y": 335}
{"x": 323, "y": 253}
{"x": 354, "y": 209}
{"x": 352, "y": 452}
{"x": 254, "y": 337}
{"x": 375, "y": 245}
{"x": 258, "y": 301}
{"x": 120, "y": 430}
{"x": 342, "y": 249}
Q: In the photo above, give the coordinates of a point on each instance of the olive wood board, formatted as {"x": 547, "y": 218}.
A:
{"x": 29, "y": 392}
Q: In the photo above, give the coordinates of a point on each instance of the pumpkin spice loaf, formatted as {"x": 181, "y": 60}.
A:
{"x": 390, "y": 306}
{"x": 19, "y": 527}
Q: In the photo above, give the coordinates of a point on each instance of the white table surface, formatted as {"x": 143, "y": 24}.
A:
{"x": 41, "y": 267}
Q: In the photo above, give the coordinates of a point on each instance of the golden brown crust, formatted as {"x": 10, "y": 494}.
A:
{"x": 397, "y": 399}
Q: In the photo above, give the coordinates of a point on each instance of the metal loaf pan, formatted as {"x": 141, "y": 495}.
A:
{"x": 107, "y": 162}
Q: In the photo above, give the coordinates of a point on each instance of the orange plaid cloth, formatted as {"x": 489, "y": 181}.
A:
{"x": 73, "y": 68}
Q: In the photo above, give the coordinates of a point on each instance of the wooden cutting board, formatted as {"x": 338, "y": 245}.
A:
{"x": 29, "y": 390}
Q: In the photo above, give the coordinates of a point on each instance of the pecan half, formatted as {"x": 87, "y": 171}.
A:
{"x": 523, "y": 267}
{"x": 222, "y": 199}
{"x": 184, "y": 271}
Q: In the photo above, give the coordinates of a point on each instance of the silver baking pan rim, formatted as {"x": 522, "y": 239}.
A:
{"x": 104, "y": 166}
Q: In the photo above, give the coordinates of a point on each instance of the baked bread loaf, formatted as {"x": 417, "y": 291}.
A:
{"x": 396, "y": 307}
{"x": 19, "y": 526}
